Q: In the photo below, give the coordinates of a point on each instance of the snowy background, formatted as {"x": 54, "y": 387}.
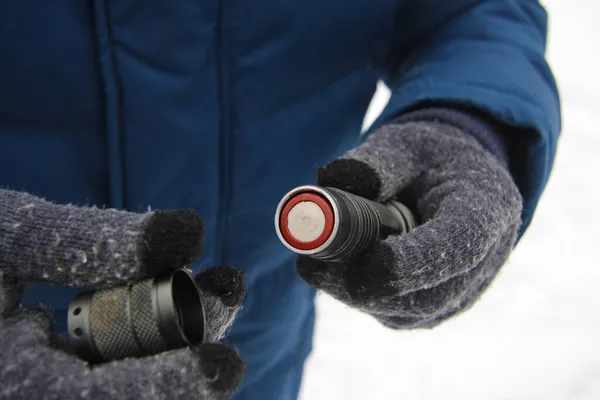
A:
{"x": 536, "y": 334}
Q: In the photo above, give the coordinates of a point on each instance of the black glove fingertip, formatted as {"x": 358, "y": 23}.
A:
{"x": 310, "y": 270}
{"x": 222, "y": 366}
{"x": 319, "y": 274}
{"x": 352, "y": 176}
{"x": 171, "y": 239}
{"x": 370, "y": 276}
{"x": 224, "y": 282}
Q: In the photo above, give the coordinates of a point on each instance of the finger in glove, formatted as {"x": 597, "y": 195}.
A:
{"x": 223, "y": 290}
{"x": 45, "y": 242}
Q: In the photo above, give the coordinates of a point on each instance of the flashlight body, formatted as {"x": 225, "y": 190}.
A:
{"x": 332, "y": 225}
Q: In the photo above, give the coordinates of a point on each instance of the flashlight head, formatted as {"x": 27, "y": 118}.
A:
{"x": 331, "y": 225}
{"x": 306, "y": 219}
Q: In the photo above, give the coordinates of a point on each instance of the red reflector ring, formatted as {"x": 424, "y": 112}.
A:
{"x": 323, "y": 204}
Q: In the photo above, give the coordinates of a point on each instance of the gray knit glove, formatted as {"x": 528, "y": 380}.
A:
{"x": 44, "y": 242}
{"x": 469, "y": 209}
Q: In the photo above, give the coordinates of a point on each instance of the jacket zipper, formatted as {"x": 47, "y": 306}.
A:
{"x": 224, "y": 136}
{"x": 112, "y": 114}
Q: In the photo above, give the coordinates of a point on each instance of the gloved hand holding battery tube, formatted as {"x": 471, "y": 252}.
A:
{"x": 467, "y": 209}
{"x": 151, "y": 328}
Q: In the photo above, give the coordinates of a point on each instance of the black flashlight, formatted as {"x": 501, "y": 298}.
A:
{"x": 332, "y": 225}
{"x": 144, "y": 318}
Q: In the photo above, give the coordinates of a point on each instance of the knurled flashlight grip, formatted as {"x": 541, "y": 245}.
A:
{"x": 139, "y": 319}
{"x": 332, "y": 225}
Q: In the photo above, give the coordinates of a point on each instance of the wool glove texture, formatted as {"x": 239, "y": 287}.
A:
{"x": 87, "y": 246}
{"x": 469, "y": 210}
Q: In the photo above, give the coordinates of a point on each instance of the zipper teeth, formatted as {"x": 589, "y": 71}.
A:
{"x": 223, "y": 139}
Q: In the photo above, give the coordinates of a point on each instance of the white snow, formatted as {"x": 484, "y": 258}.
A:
{"x": 536, "y": 333}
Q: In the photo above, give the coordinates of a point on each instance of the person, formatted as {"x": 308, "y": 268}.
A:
{"x": 222, "y": 107}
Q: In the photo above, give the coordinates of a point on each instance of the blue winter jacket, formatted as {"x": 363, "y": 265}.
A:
{"x": 223, "y": 106}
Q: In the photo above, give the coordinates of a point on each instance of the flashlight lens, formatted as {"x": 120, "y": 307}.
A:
{"x": 306, "y": 221}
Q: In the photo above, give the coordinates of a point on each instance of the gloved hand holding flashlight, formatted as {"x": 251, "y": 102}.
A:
{"x": 137, "y": 263}
{"x": 468, "y": 211}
